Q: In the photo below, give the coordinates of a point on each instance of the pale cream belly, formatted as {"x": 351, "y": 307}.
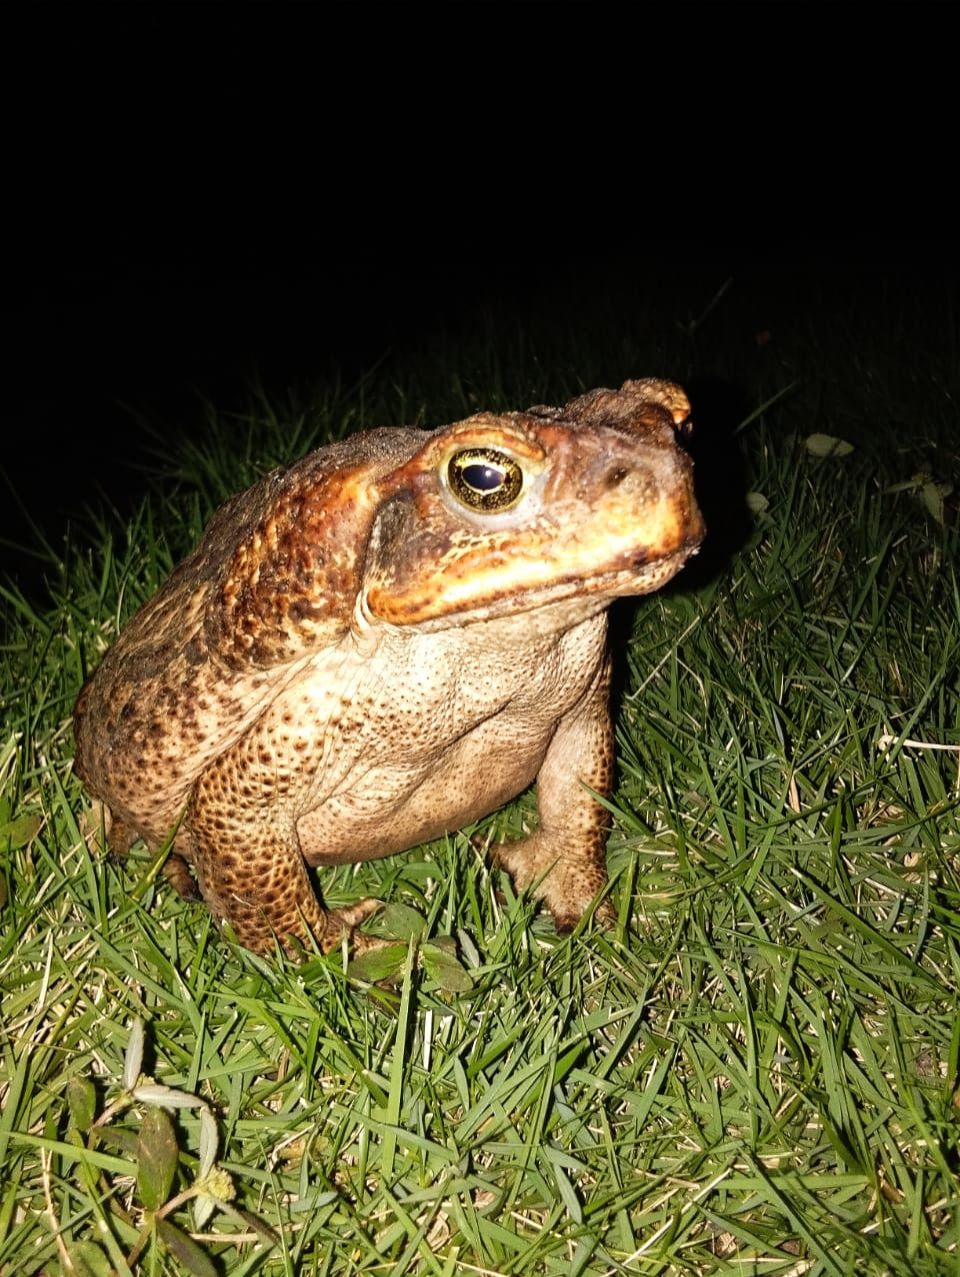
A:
{"x": 391, "y": 810}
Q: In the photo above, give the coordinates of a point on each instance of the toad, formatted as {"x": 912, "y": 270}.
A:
{"x": 384, "y": 642}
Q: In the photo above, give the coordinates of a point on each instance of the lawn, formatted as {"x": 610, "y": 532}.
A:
{"x": 756, "y": 1072}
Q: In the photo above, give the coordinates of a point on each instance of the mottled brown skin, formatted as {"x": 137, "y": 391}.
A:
{"x": 359, "y": 657}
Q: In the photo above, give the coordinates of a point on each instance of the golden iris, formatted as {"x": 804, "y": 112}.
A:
{"x": 484, "y": 479}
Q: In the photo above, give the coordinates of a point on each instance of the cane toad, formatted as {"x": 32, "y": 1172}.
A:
{"x": 385, "y": 641}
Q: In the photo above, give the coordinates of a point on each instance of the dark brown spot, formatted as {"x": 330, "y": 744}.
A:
{"x": 194, "y": 652}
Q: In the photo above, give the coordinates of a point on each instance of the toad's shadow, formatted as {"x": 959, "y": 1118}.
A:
{"x": 719, "y": 408}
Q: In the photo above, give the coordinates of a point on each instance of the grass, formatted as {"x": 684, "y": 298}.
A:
{"x": 757, "y": 1073}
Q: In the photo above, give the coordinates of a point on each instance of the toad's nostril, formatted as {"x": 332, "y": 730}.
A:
{"x": 616, "y": 476}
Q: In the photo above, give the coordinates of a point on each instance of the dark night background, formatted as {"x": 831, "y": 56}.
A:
{"x": 205, "y": 195}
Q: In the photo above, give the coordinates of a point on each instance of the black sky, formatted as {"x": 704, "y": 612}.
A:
{"x": 200, "y": 195}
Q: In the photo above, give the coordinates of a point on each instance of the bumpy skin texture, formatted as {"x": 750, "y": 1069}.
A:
{"x": 365, "y": 651}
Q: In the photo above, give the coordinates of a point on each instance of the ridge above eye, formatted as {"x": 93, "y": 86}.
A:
{"x": 484, "y": 479}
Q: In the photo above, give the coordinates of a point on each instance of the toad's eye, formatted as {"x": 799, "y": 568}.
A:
{"x": 484, "y": 479}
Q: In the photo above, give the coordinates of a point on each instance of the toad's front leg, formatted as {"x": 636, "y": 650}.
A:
{"x": 243, "y": 842}
{"x": 567, "y": 853}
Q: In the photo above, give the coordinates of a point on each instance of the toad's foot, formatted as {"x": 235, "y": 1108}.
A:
{"x": 568, "y": 884}
{"x": 344, "y": 921}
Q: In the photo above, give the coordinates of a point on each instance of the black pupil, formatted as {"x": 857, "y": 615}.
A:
{"x": 481, "y": 477}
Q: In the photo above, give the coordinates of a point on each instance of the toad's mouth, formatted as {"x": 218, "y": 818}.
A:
{"x": 525, "y": 586}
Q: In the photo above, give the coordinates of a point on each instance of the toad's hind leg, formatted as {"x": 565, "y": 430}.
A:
{"x": 251, "y": 871}
{"x": 119, "y": 838}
